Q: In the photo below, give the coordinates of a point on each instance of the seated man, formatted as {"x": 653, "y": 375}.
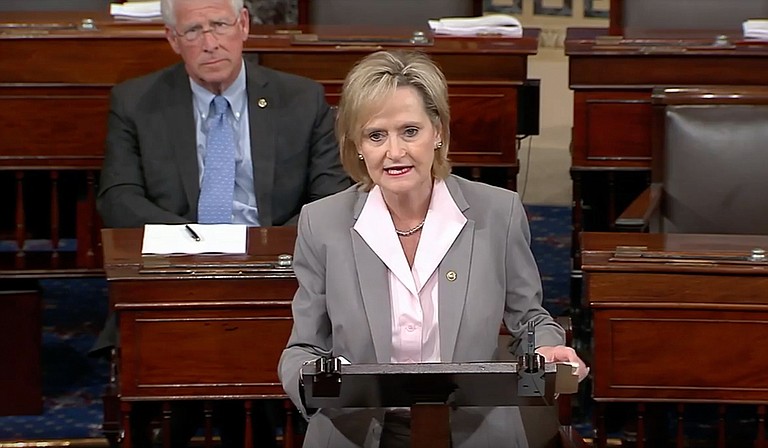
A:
{"x": 217, "y": 138}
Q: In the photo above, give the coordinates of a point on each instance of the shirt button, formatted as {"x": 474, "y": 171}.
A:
{"x": 410, "y": 328}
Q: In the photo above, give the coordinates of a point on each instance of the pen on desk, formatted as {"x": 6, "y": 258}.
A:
{"x": 192, "y": 232}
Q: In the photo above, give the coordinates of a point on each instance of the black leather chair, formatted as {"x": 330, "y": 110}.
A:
{"x": 710, "y": 153}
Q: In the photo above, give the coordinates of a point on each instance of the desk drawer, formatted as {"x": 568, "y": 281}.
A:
{"x": 211, "y": 353}
{"x": 680, "y": 355}
{"x": 194, "y": 292}
{"x": 650, "y": 289}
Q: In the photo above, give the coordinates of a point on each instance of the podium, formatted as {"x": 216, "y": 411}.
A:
{"x": 430, "y": 390}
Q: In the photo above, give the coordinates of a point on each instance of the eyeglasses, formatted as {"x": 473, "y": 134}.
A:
{"x": 217, "y": 28}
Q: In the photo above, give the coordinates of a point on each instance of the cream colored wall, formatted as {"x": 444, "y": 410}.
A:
{"x": 544, "y": 177}
{"x": 545, "y": 159}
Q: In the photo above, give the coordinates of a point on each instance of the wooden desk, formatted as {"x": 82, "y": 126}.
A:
{"x": 677, "y": 330}
{"x": 20, "y": 348}
{"x": 228, "y": 321}
{"x": 54, "y": 103}
{"x": 612, "y": 82}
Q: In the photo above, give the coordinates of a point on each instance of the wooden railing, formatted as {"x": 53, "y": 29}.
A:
{"x": 54, "y": 106}
{"x": 50, "y": 156}
{"x": 49, "y": 227}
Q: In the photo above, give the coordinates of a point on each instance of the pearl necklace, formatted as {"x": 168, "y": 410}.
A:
{"x": 411, "y": 231}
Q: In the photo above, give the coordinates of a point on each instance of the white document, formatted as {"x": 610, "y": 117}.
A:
{"x": 181, "y": 239}
{"x": 137, "y": 10}
{"x": 756, "y": 29}
{"x": 491, "y": 24}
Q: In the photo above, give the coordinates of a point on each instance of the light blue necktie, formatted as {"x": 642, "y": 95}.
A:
{"x": 218, "y": 186}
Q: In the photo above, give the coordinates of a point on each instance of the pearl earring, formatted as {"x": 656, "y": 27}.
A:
{"x": 360, "y": 156}
{"x": 438, "y": 145}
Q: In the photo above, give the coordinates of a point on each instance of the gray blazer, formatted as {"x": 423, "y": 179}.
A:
{"x": 342, "y": 306}
{"x": 151, "y": 174}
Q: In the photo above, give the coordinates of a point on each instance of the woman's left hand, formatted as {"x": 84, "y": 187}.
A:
{"x": 561, "y": 353}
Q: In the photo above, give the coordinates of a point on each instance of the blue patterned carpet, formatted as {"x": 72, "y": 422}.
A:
{"x": 74, "y": 310}
{"x": 551, "y": 245}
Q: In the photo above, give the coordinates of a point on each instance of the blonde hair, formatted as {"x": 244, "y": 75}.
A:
{"x": 372, "y": 80}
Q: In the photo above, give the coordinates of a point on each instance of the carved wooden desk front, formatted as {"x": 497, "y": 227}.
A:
{"x": 200, "y": 327}
{"x": 677, "y": 318}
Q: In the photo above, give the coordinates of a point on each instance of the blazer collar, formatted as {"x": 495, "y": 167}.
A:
{"x": 362, "y": 196}
{"x": 452, "y": 289}
{"x": 458, "y": 196}
{"x": 374, "y": 287}
{"x": 372, "y": 275}
{"x": 263, "y": 103}
{"x": 453, "y": 277}
{"x": 180, "y": 119}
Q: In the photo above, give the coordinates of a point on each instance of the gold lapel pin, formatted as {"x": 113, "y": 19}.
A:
{"x": 262, "y": 103}
{"x": 450, "y": 275}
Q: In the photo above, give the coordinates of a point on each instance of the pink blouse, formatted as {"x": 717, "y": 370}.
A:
{"x": 413, "y": 292}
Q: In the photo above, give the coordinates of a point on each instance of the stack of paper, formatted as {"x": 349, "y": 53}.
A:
{"x": 492, "y": 24}
{"x": 756, "y": 29}
{"x": 136, "y": 10}
{"x": 194, "y": 239}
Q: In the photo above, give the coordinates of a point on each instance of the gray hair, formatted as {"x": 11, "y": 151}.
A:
{"x": 166, "y": 8}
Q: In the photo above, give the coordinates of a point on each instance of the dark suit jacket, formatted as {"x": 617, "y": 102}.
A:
{"x": 150, "y": 170}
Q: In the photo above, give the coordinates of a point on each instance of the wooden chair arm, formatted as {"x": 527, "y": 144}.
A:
{"x": 637, "y": 217}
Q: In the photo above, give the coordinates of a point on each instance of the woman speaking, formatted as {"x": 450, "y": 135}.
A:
{"x": 411, "y": 264}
